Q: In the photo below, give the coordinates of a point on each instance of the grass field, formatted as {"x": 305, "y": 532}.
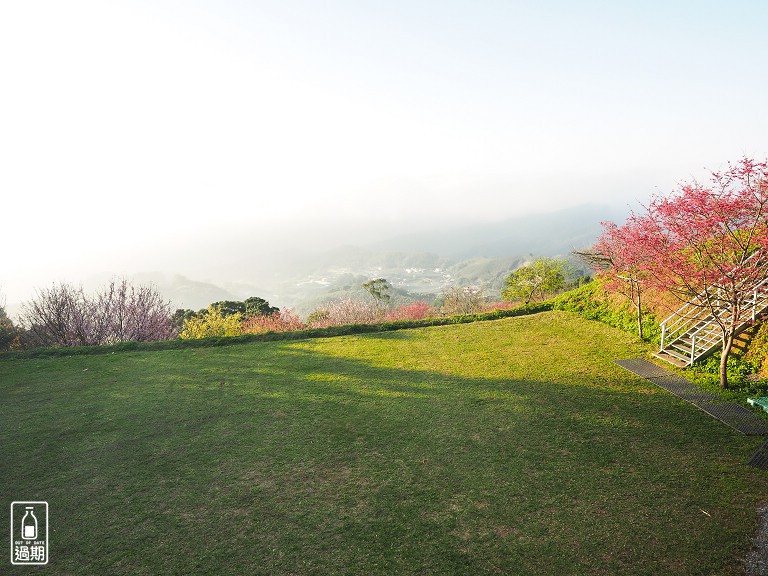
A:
{"x": 506, "y": 447}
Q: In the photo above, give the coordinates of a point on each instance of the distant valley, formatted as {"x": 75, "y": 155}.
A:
{"x": 417, "y": 265}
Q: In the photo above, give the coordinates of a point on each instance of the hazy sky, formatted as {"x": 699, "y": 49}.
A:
{"x": 135, "y": 133}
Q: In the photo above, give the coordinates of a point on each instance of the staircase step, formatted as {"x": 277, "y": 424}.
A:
{"x": 701, "y": 343}
{"x": 671, "y": 359}
{"x": 679, "y": 356}
{"x": 694, "y": 324}
{"x": 680, "y": 350}
{"x": 701, "y": 340}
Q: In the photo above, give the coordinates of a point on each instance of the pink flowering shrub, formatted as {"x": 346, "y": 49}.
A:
{"x": 490, "y": 307}
{"x": 413, "y": 311}
{"x": 284, "y": 320}
{"x": 346, "y": 311}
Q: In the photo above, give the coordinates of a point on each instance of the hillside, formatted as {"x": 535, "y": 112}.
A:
{"x": 378, "y": 454}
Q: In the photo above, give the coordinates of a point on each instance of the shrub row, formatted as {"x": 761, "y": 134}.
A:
{"x": 331, "y": 331}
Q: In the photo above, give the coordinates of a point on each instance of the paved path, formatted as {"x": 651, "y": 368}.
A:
{"x": 737, "y": 417}
{"x": 756, "y": 563}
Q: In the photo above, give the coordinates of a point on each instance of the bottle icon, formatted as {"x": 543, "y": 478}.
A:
{"x": 29, "y": 524}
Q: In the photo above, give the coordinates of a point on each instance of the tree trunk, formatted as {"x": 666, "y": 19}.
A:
{"x": 639, "y": 315}
{"x": 727, "y": 345}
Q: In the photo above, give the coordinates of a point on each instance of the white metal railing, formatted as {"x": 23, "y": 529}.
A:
{"x": 684, "y": 321}
{"x": 693, "y": 311}
{"x": 702, "y": 313}
{"x": 681, "y": 321}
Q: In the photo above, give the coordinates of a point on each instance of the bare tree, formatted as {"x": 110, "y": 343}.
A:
{"x": 49, "y": 317}
{"x": 143, "y": 314}
{"x": 465, "y": 300}
{"x": 64, "y": 315}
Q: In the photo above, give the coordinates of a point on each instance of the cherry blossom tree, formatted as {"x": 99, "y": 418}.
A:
{"x": 413, "y": 311}
{"x": 618, "y": 258}
{"x": 708, "y": 245}
{"x": 285, "y": 320}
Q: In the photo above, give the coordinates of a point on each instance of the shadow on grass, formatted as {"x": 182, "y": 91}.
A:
{"x": 298, "y": 461}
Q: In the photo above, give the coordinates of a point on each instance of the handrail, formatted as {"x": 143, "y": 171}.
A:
{"x": 739, "y": 320}
{"x": 683, "y": 322}
{"x": 695, "y": 311}
{"x": 687, "y": 316}
{"x": 752, "y": 308}
{"x": 703, "y": 293}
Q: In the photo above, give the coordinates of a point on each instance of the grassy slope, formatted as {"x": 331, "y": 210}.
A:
{"x": 513, "y": 446}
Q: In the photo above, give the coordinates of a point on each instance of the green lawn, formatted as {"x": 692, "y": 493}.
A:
{"x": 506, "y": 447}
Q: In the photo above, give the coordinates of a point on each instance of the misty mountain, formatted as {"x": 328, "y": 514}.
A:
{"x": 418, "y": 265}
{"x": 551, "y": 234}
{"x": 194, "y": 294}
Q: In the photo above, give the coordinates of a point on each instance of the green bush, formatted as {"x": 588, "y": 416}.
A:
{"x": 740, "y": 372}
{"x": 758, "y": 347}
{"x": 591, "y": 302}
{"x": 9, "y": 336}
{"x": 742, "y": 382}
{"x": 536, "y": 280}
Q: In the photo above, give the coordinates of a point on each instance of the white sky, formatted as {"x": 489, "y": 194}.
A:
{"x": 132, "y": 133}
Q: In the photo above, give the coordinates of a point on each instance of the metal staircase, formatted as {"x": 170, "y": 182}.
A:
{"x": 693, "y": 331}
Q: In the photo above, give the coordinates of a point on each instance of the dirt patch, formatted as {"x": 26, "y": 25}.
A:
{"x": 756, "y": 563}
